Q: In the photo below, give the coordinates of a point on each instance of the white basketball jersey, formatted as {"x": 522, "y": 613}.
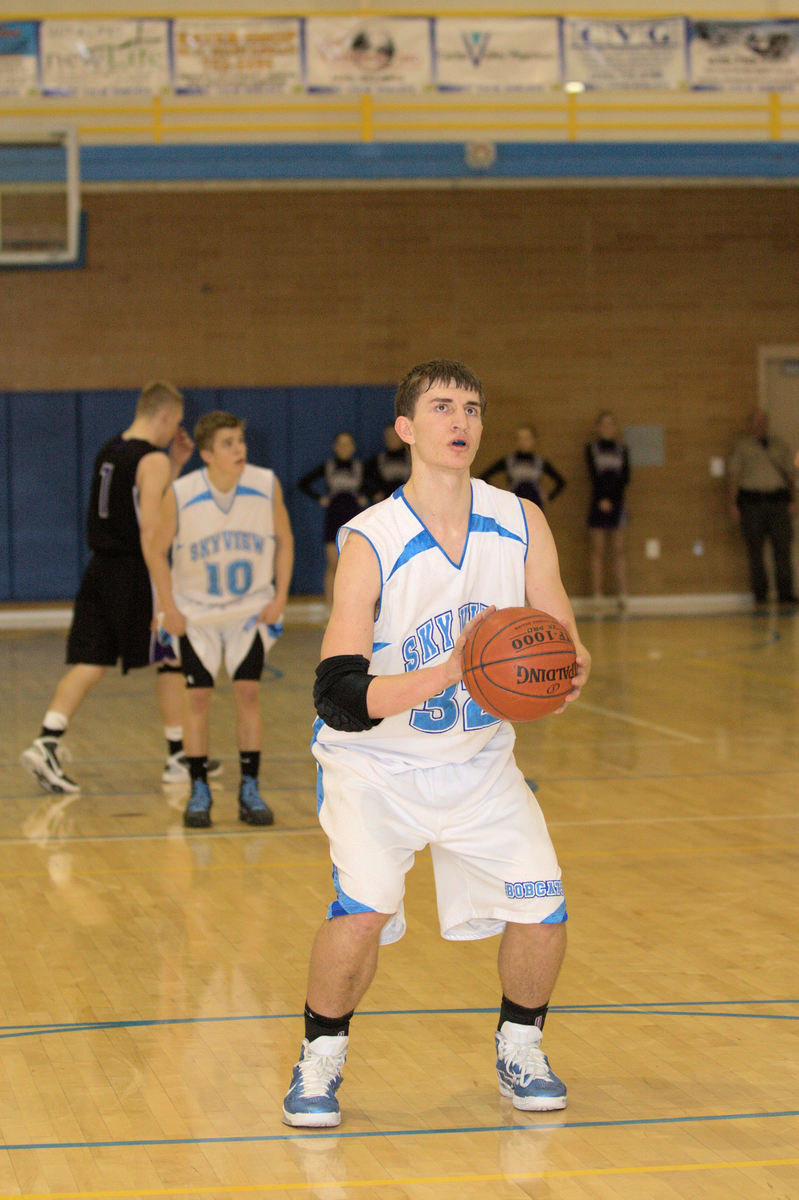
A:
{"x": 425, "y": 601}
{"x": 223, "y": 561}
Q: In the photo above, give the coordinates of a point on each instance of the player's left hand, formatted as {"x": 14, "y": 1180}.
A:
{"x": 583, "y": 660}
{"x": 181, "y": 448}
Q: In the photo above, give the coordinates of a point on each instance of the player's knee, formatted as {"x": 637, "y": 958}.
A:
{"x": 246, "y": 692}
{"x": 364, "y": 926}
{"x": 199, "y": 699}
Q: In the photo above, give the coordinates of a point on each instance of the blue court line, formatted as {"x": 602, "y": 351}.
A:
{"x": 392, "y": 1133}
{"x": 697, "y": 1008}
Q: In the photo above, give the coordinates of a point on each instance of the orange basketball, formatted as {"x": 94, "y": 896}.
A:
{"x": 519, "y": 664}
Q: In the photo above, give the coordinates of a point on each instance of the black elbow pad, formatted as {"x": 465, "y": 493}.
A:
{"x": 339, "y": 693}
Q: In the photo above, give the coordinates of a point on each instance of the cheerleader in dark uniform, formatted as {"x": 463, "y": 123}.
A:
{"x": 343, "y": 479}
{"x": 608, "y": 462}
{"x": 524, "y": 469}
{"x": 389, "y": 469}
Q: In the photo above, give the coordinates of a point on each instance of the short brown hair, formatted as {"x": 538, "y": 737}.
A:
{"x": 210, "y": 424}
{"x": 423, "y": 376}
{"x": 156, "y": 394}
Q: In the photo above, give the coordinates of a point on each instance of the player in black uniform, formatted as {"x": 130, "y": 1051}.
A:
{"x": 390, "y": 468}
{"x": 608, "y": 462}
{"x": 344, "y": 496}
{"x": 524, "y": 469}
{"x": 113, "y": 609}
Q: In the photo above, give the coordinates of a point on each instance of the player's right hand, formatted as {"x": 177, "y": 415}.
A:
{"x": 454, "y": 664}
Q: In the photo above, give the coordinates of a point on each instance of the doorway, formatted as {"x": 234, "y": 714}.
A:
{"x": 778, "y": 387}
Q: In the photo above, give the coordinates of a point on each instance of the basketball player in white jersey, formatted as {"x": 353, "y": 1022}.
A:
{"x": 232, "y": 554}
{"x": 407, "y": 759}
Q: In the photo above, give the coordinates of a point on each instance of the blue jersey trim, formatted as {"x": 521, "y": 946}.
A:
{"x": 420, "y": 544}
{"x": 481, "y": 524}
{"x": 558, "y": 916}
{"x": 344, "y": 905}
{"x": 198, "y": 499}
{"x": 526, "y": 530}
{"x": 432, "y": 543}
{"x": 249, "y": 491}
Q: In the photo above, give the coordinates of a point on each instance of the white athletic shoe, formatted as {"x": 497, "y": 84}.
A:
{"x": 524, "y": 1073}
{"x": 42, "y": 759}
{"x": 176, "y": 768}
{"x": 311, "y": 1099}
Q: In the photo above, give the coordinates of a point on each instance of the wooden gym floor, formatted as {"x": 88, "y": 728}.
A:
{"x": 153, "y": 979}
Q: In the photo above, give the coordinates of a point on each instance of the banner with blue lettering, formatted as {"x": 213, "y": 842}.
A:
{"x": 497, "y": 54}
{"x": 19, "y": 66}
{"x": 626, "y": 54}
{"x": 744, "y": 55}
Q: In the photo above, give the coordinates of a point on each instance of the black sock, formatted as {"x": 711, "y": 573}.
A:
{"x": 53, "y": 734}
{"x": 250, "y": 762}
{"x": 317, "y": 1026}
{"x": 175, "y": 747}
{"x": 520, "y": 1015}
{"x": 198, "y": 768}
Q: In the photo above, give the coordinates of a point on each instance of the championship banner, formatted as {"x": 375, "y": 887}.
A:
{"x": 625, "y": 54}
{"x": 497, "y": 54}
{"x": 19, "y": 65}
{"x": 353, "y": 54}
{"x": 744, "y": 55}
{"x": 113, "y": 57}
{"x": 236, "y": 56}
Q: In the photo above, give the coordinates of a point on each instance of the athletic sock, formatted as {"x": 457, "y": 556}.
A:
{"x": 520, "y": 1015}
{"x": 198, "y": 768}
{"x": 53, "y": 725}
{"x": 250, "y": 762}
{"x": 174, "y": 738}
{"x": 317, "y": 1026}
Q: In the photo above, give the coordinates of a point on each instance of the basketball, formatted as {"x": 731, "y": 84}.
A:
{"x": 519, "y": 664}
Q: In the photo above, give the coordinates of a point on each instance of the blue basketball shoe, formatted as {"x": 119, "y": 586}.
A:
{"x": 311, "y": 1098}
{"x": 524, "y": 1073}
{"x": 252, "y": 808}
{"x": 197, "y": 814}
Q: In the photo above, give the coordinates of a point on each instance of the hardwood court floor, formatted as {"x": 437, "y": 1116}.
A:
{"x": 152, "y": 978}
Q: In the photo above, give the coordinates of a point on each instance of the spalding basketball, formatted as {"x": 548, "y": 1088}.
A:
{"x": 519, "y": 664}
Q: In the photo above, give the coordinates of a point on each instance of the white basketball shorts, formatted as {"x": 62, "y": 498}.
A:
{"x": 493, "y": 859}
{"x": 233, "y": 641}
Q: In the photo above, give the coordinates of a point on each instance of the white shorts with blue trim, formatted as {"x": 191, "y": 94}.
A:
{"x": 493, "y": 859}
{"x": 232, "y": 642}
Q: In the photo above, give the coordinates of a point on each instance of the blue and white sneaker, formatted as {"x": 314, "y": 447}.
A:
{"x": 252, "y": 808}
{"x": 311, "y": 1099}
{"x": 197, "y": 814}
{"x": 524, "y": 1073}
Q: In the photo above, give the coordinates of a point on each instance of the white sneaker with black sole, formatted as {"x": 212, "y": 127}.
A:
{"x": 42, "y": 759}
{"x": 176, "y": 768}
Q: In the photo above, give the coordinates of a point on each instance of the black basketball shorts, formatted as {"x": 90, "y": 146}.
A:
{"x": 112, "y": 614}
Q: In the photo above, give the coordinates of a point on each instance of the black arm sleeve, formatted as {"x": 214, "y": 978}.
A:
{"x": 494, "y": 469}
{"x": 305, "y": 484}
{"x": 339, "y": 693}
{"x": 592, "y": 471}
{"x": 625, "y": 471}
{"x": 558, "y": 481}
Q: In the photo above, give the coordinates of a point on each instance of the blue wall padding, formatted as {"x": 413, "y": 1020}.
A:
{"x": 48, "y": 442}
